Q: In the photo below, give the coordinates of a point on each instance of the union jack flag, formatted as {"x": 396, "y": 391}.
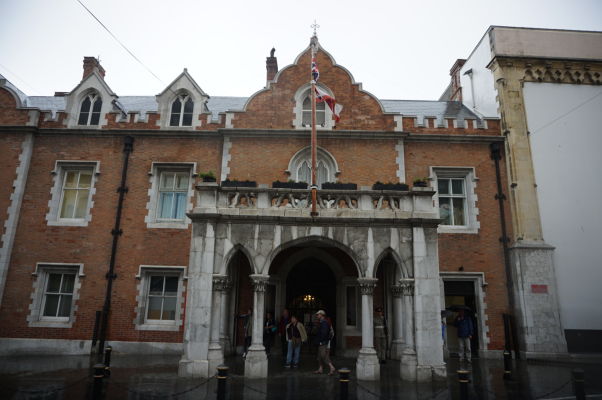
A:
{"x": 336, "y": 108}
{"x": 314, "y": 69}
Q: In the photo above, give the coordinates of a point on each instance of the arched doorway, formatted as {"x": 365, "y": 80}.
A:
{"x": 314, "y": 275}
{"x": 311, "y": 286}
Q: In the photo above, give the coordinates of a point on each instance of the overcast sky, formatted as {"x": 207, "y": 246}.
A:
{"x": 397, "y": 49}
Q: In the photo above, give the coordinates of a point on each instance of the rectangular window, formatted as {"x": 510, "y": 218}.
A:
{"x": 58, "y": 295}
{"x": 75, "y": 193}
{"x": 56, "y": 292}
{"x": 173, "y": 195}
{"x": 351, "y": 306}
{"x": 452, "y": 201}
{"x": 162, "y": 297}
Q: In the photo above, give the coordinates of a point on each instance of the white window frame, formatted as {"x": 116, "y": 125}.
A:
{"x": 323, "y": 156}
{"x": 144, "y": 274}
{"x": 152, "y": 218}
{"x": 53, "y": 217}
{"x": 183, "y": 97}
{"x": 471, "y": 211}
{"x": 36, "y": 307}
{"x": 94, "y": 97}
{"x": 300, "y": 95}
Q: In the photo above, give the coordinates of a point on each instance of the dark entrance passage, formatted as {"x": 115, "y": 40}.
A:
{"x": 461, "y": 293}
{"x": 311, "y": 286}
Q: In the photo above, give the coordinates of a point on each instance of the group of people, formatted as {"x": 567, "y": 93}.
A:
{"x": 293, "y": 334}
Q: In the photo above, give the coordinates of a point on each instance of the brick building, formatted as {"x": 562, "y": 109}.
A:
{"x": 192, "y": 255}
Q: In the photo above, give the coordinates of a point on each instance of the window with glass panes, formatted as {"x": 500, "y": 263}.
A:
{"x": 162, "y": 297}
{"x": 181, "y": 111}
{"x": 89, "y": 112}
{"x": 452, "y": 200}
{"x": 58, "y": 295}
{"x": 320, "y": 112}
{"x": 173, "y": 192}
{"x": 75, "y": 193}
{"x": 304, "y": 173}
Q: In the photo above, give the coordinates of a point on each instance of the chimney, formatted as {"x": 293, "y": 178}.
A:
{"x": 271, "y": 64}
{"x": 91, "y": 64}
{"x": 456, "y": 87}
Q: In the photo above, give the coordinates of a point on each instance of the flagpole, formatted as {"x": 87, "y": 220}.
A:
{"x": 314, "y": 143}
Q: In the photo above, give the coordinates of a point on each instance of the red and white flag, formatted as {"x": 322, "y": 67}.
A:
{"x": 336, "y": 109}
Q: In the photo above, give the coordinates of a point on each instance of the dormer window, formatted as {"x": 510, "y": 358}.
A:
{"x": 181, "y": 111}
{"x": 320, "y": 112}
{"x": 89, "y": 112}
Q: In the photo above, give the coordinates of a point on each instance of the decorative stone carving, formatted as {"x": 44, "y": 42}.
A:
{"x": 242, "y": 200}
{"x": 407, "y": 287}
{"x": 221, "y": 283}
{"x": 329, "y": 201}
{"x": 367, "y": 285}
{"x": 259, "y": 282}
{"x": 396, "y": 290}
{"x": 385, "y": 203}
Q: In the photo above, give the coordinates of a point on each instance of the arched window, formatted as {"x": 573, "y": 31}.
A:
{"x": 320, "y": 112}
{"x": 181, "y": 111}
{"x": 89, "y": 112}
{"x": 300, "y": 167}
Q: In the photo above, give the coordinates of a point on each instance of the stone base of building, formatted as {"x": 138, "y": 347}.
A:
{"x": 194, "y": 369}
{"x": 428, "y": 373}
{"x": 256, "y": 363}
{"x": 408, "y": 365}
{"x": 537, "y": 312}
{"x": 396, "y": 349}
{"x": 215, "y": 356}
{"x": 367, "y": 365}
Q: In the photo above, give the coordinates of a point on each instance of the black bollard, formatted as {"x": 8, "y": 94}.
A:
{"x": 108, "y": 351}
{"x": 99, "y": 374}
{"x": 222, "y": 376}
{"x": 579, "y": 384}
{"x": 344, "y": 379}
{"x": 463, "y": 380}
{"x": 507, "y": 365}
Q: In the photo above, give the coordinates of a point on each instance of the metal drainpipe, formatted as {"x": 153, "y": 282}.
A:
{"x": 496, "y": 155}
{"x": 128, "y": 145}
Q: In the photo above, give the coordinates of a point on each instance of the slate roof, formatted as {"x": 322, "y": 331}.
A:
{"x": 219, "y": 104}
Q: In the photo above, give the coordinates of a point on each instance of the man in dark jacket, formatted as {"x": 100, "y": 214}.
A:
{"x": 465, "y": 331}
{"x": 322, "y": 339}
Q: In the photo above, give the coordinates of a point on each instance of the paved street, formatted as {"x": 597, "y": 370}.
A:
{"x": 154, "y": 377}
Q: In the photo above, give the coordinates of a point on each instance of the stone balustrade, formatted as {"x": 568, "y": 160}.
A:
{"x": 364, "y": 203}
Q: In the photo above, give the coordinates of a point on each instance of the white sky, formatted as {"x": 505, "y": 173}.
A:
{"x": 397, "y": 49}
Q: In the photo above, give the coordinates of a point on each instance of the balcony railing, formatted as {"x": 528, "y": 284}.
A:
{"x": 414, "y": 203}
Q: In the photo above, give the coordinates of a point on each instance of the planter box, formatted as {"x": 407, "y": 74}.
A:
{"x": 421, "y": 184}
{"x": 229, "y": 183}
{"x": 339, "y": 186}
{"x": 402, "y": 187}
{"x": 289, "y": 185}
{"x": 209, "y": 179}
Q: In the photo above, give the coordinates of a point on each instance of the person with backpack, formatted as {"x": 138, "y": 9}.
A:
{"x": 322, "y": 339}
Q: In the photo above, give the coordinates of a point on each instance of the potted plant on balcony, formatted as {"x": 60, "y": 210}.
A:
{"x": 208, "y": 176}
{"x": 291, "y": 184}
{"x": 399, "y": 186}
{"x": 236, "y": 183}
{"x": 339, "y": 186}
{"x": 421, "y": 182}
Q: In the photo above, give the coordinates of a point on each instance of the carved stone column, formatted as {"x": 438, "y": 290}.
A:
{"x": 408, "y": 354}
{"x": 224, "y": 326}
{"x": 216, "y": 352}
{"x": 256, "y": 362}
{"x": 397, "y": 323}
{"x": 367, "y": 365}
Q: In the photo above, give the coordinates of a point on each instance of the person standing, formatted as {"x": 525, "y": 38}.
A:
{"x": 295, "y": 335}
{"x": 380, "y": 335}
{"x": 248, "y": 329}
{"x": 269, "y": 328}
{"x": 465, "y": 331}
{"x": 322, "y": 339}
{"x": 284, "y": 321}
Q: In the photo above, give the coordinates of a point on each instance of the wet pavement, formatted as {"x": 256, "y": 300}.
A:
{"x": 155, "y": 377}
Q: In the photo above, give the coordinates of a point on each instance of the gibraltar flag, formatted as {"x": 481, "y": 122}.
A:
{"x": 336, "y": 109}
